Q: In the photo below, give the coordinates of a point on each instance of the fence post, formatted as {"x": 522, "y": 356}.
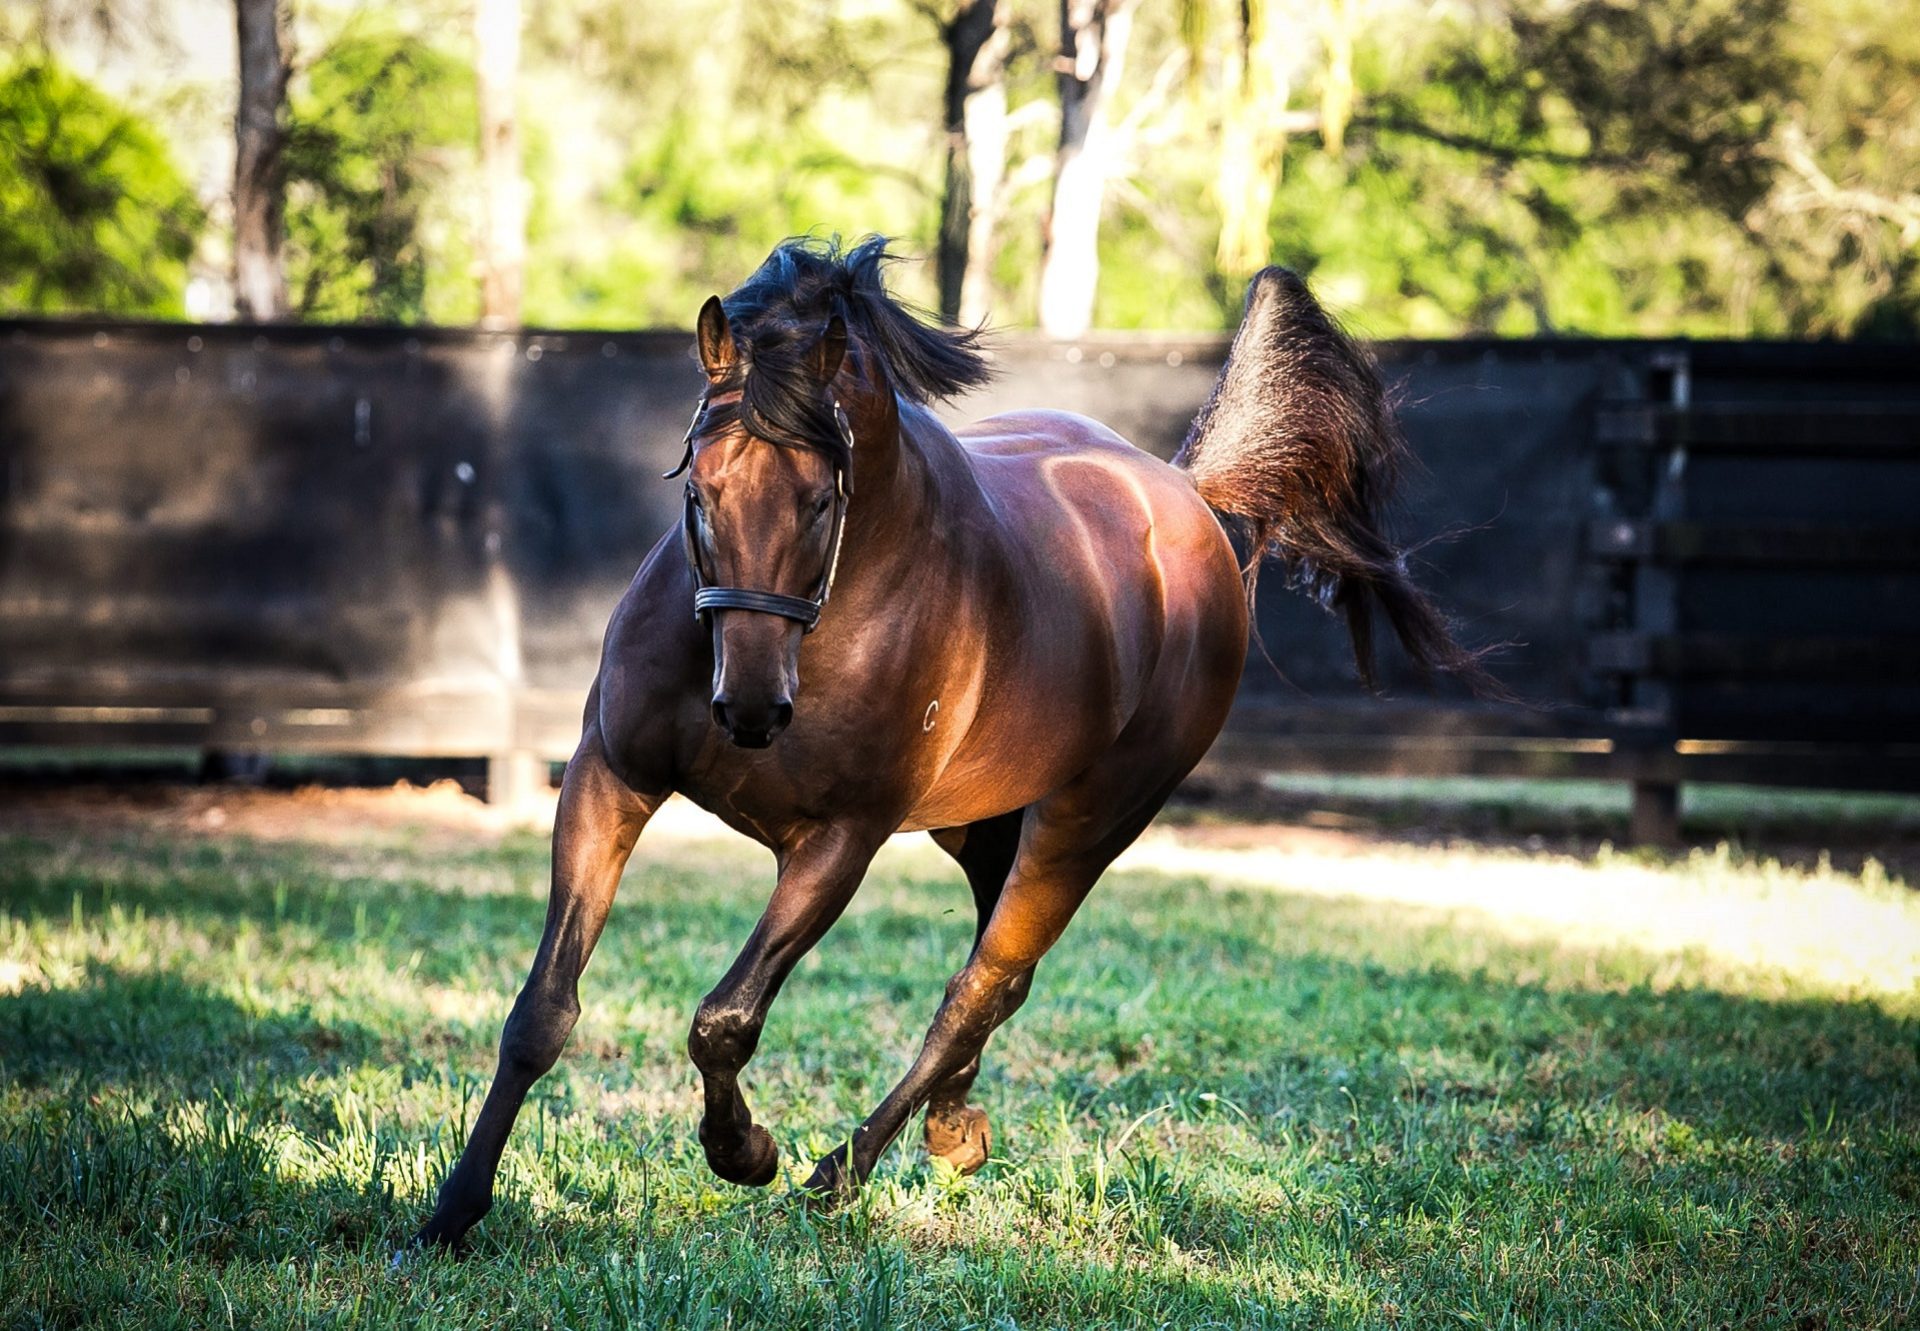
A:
{"x": 514, "y": 776}
{"x": 1655, "y": 819}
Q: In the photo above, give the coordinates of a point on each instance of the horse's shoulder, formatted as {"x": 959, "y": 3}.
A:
{"x": 650, "y": 673}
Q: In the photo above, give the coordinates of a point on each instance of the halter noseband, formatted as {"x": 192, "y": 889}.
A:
{"x": 803, "y": 609}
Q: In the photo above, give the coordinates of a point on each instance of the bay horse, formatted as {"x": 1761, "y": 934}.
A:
{"x": 1035, "y": 632}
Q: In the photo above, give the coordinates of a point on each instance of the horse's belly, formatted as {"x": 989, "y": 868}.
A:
{"x": 969, "y": 792}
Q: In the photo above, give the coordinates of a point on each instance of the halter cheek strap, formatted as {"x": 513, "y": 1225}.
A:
{"x": 804, "y": 610}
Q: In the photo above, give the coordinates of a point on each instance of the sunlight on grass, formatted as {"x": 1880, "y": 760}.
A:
{"x": 1842, "y": 933}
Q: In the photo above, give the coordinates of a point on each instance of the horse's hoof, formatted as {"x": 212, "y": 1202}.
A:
{"x": 428, "y": 1243}
{"x": 960, "y": 1137}
{"x": 753, "y": 1165}
{"x": 832, "y": 1182}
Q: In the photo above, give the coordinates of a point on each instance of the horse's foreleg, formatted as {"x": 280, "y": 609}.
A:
{"x": 817, "y": 879}
{"x": 599, "y": 820}
{"x": 1033, "y": 910}
{"x": 956, "y": 1131}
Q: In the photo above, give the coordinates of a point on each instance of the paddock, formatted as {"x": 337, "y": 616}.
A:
{"x": 1345, "y": 1070}
{"x": 1593, "y": 1009}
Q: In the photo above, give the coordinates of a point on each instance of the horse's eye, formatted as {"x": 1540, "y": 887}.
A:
{"x": 821, "y": 505}
{"x": 693, "y": 497}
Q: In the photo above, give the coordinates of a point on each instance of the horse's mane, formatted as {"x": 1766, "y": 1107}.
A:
{"x": 779, "y": 315}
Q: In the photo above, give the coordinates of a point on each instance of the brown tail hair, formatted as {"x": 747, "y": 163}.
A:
{"x": 1299, "y": 444}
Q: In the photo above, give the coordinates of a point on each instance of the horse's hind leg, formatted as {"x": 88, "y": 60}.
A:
{"x": 956, "y": 1131}
{"x": 598, "y": 821}
{"x": 1070, "y": 839}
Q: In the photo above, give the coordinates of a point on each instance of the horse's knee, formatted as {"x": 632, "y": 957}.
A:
{"x": 723, "y": 1038}
{"x": 535, "y": 1033}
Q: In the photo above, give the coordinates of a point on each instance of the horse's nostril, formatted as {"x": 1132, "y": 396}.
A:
{"x": 753, "y": 725}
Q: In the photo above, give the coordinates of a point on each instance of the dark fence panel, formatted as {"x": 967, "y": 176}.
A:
{"x": 409, "y": 541}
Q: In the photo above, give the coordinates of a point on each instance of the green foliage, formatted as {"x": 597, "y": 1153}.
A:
{"x": 1596, "y": 168}
{"x": 94, "y": 214}
{"x": 721, "y": 129}
{"x": 378, "y": 132}
{"x": 1653, "y": 167}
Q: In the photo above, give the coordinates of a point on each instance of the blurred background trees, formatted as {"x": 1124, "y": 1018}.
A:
{"x": 72, "y": 158}
{"x": 1438, "y": 167}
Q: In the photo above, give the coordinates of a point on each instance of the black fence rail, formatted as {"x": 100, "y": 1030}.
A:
{"x": 1704, "y": 558}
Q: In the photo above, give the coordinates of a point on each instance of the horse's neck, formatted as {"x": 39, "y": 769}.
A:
{"x": 926, "y": 486}
{"x": 933, "y": 480}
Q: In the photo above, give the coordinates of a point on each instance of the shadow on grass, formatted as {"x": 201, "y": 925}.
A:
{"x": 155, "y": 1032}
{"x": 175, "y": 1229}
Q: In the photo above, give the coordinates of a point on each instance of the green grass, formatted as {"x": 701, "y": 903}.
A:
{"x": 1706, "y": 808}
{"x": 231, "y": 1074}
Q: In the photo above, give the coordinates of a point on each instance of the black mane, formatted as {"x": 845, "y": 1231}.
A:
{"x": 778, "y": 316}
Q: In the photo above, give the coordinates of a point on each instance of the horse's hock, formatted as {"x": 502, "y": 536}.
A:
{"x": 406, "y": 542}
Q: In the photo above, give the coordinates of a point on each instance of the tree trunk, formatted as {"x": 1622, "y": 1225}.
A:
{"x": 259, "y": 181}
{"x": 503, "y": 225}
{"x": 1093, "y": 51}
{"x": 976, "y": 117}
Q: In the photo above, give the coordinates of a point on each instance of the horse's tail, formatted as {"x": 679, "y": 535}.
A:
{"x": 1299, "y": 444}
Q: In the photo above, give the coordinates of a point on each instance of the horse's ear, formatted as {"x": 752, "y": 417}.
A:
{"x": 717, "y": 351}
{"x": 831, "y": 350}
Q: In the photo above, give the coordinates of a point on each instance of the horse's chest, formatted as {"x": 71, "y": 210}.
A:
{"x": 861, "y": 762}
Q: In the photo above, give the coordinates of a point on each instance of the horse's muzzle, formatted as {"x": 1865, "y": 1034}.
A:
{"x": 752, "y": 726}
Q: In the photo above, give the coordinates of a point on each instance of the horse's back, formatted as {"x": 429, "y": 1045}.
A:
{"x": 1108, "y": 522}
{"x": 1043, "y": 468}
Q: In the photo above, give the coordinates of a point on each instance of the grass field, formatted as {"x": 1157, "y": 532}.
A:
{"x": 1262, "y": 1082}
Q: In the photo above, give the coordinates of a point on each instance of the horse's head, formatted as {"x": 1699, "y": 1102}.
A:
{"x": 767, "y": 479}
{"x": 770, "y": 456}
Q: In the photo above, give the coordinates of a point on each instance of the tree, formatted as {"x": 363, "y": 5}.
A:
{"x": 976, "y": 128}
{"x": 377, "y": 129}
{"x": 503, "y": 226}
{"x": 1253, "y": 137}
{"x": 95, "y": 217}
{"x": 259, "y": 180}
{"x": 1093, "y": 52}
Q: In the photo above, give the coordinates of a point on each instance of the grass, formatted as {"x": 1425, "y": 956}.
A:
{"x": 231, "y": 1073}
{"x": 1598, "y": 807}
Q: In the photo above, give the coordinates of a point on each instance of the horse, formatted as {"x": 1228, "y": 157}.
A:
{"x": 1019, "y": 637}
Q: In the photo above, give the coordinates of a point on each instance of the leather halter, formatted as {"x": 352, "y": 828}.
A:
{"x": 803, "y": 609}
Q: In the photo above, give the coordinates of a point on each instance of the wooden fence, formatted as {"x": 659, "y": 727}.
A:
{"x": 1704, "y": 557}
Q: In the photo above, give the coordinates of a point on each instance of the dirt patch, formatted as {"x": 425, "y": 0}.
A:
{"x": 442, "y": 813}
{"x": 321, "y": 814}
